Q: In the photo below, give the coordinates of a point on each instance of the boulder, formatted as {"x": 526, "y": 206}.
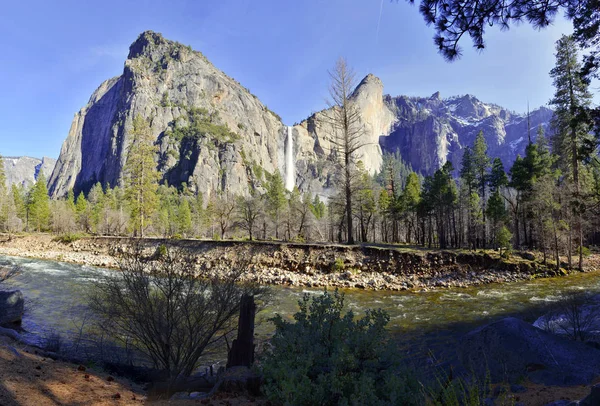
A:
{"x": 593, "y": 399}
{"x": 511, "y": 349}
{"x": 11, "y": 307}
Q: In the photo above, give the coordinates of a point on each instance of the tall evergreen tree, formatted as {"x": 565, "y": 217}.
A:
{"x": 411, "y": 195}
{"x": 276, "y": 199}
{"x": 4, "y": 197}
{"x": 19, "y": 198}
{"x": 481, "y": 165}
{"x": 184, "y": 217}
{"x": 572, "y": 140}
{"x": 39, "y": 204}
{"x": 96, "y": 205}
{"x": 440, "y": 194}
{"x": 71, "y": 200}
{"x": 81, "y": 212}
{"x": 467, "y": 170}
{"x": 496, "y": 209}
{"x": 498, "y": 178}
{"x": 141, "y": 177}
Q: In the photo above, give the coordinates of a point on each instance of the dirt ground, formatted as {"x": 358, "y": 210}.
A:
{"x": 540, "y": 395}
{"x": 29, "y": 379}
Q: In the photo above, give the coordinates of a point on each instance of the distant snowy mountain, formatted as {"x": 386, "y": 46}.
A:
{"x": 25, "y": 170}
{"x": 430, "y": 131}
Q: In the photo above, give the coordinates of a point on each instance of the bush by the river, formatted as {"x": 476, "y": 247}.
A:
{"x": 326, "y": 357}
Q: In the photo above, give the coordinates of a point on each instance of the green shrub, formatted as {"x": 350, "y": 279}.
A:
{"x": 329, "y": 358}
{"x": 504, "y": 236}
{"x": 201, "y": 124}
{"x": 585, "y": 251}
{"x": 161, "y": 251}
{"x": 470, "y": 390}
{"x": 338, "y": 265}
{"x": 67, "y": 238}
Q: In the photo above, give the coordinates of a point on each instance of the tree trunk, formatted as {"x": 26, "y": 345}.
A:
{"x": 242, "y": 348}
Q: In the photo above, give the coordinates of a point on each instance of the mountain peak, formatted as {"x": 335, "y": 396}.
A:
{"x": 370, "y": 79}
{"x": 144, "y": 41}
{"x": 369, "y": 84}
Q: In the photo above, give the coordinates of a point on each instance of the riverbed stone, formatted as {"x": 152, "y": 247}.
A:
{"x": 511, "y": 349}
{"x": 12, "y": 306}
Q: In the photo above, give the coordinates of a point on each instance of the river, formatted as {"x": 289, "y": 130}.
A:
{"x": 56, "y": 295}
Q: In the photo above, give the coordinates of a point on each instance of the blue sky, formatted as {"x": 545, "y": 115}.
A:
{"x": 55, "y": 53}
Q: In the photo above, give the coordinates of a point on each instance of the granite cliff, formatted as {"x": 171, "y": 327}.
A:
{"x": 211, "y": 131}
{"x": 213, "y": 134}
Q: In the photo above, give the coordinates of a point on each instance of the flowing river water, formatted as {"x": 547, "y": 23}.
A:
{"x": 56, "y": 295}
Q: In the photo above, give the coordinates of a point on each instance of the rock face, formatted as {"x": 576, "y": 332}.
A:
{"x": 25, "y": 170}
{"x": 315, "y": 161}
{"x": 430, "y": 131}
{"x": 11, "y": 307}
{"x": 170, "y": 84}
{"x": 511, "y": 349}
{"x": 215, "y": 135}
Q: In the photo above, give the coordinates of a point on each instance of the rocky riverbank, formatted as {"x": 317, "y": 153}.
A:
{"x": 311, "y": 265}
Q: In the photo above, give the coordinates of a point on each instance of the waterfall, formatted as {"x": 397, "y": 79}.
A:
{"x": 290, "y": 169}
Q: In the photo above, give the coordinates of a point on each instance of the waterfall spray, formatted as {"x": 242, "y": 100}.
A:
{"x": 290, "y": 170}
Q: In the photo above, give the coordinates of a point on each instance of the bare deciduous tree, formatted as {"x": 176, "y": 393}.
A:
{"x": 249, "y": 212}
{"x": 344, "y": 121}
{"x": 167, "y": 309}
{"x": 223, "y": 210}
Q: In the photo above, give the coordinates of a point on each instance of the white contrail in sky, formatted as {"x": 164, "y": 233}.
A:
{"x": 379, "y": 23}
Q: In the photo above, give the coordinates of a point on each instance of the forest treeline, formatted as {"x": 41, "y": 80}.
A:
{"x": 548, "y": 200}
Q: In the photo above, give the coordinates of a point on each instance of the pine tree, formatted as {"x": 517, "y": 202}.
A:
{"x": 572, "y": 141}
{"x": 4, "y": 197}
{"x": 503, "y": 238}
{"x": 481, "y": 165}
{"x": 184, "y": 217}
{"x": 467, "y": 170}
{"x": 440, "y": 194}
{"x": 166, "y": 219}
{"x": 81, "y": 212}
{"x": 141, "y": 176}
{"x": 365, "y": 202}
{"x": 496, "y": 209}
{"x": 96, "y": 204}
{"x": 498, "y": 176}
{"x": 276, "y": 199}
{"x": 71, "y": 200}
{"x": 496, "y": 212}
{"x": 410, "y": 199}
{"x": 39, "y": 204}
{"x": 19, "y": 199}
{"x": 318, "y": 208}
